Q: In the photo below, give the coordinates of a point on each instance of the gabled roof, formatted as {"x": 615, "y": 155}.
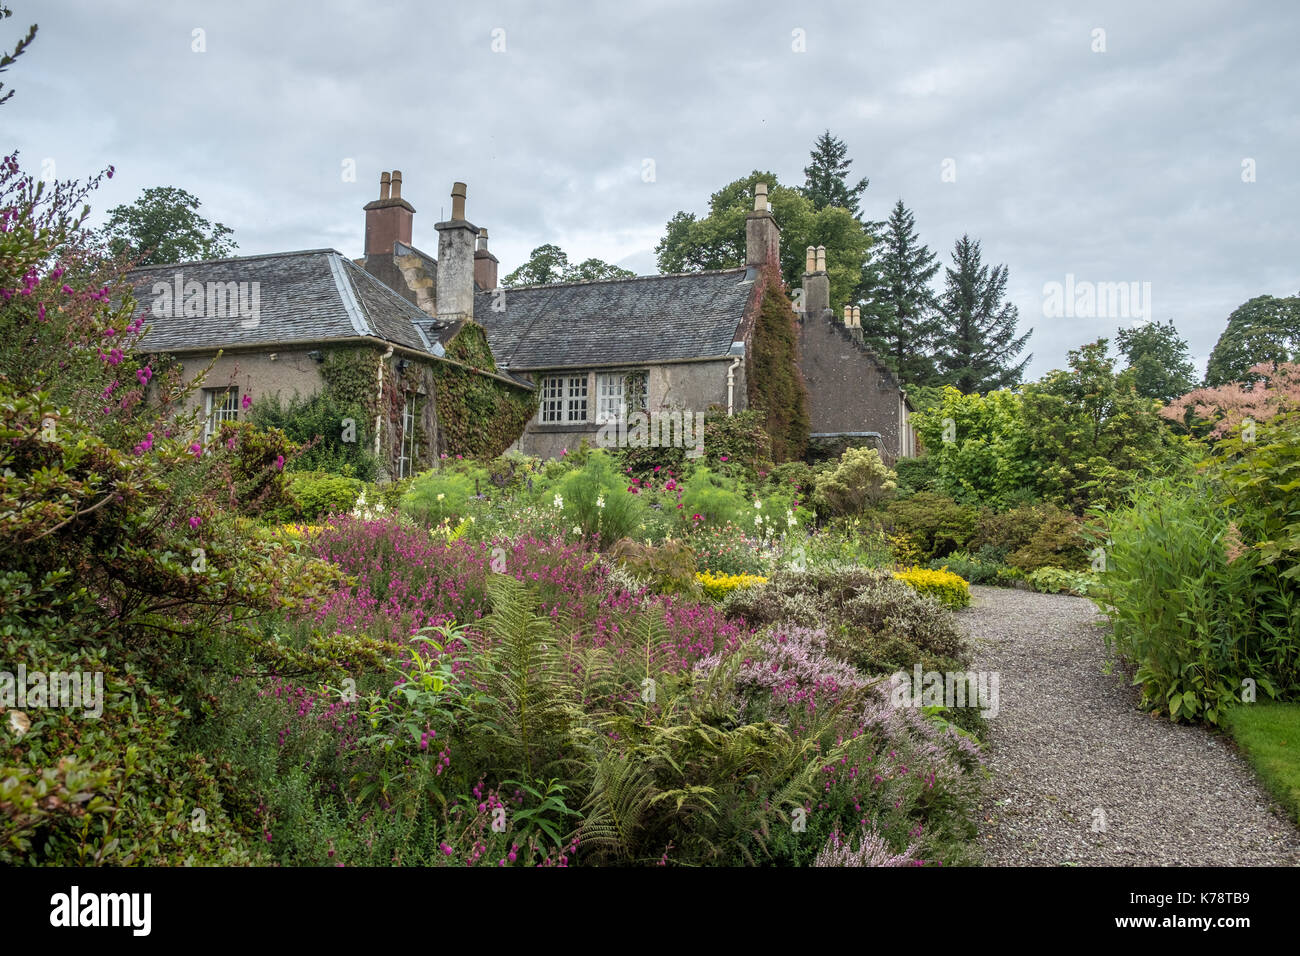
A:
{"x": 308, "y": 297}
{"x": 647, "y": 319}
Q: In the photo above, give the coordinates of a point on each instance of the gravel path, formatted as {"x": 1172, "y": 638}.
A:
{"x": 1081, "y": 776}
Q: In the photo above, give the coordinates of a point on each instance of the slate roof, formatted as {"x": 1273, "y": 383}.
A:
{"x": 647, "y": 319}
{"x": 310, "y": 296}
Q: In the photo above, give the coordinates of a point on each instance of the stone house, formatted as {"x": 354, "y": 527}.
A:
{"x": 546, "y": 366}
{"x": 662, "y": 345}
{"x": 298, "y": 323}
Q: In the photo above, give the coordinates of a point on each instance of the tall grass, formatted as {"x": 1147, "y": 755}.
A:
{"x": 1192, "y": 607}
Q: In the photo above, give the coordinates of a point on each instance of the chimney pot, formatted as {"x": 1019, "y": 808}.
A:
{"x": 857, "y": 317}
{"x": 810, "y": 264}
{"x": 457, "y": 201}
{"x": 760, "y": 197}
{"x": 388, "y": 220}
{"x": 821, "y": 258}
{"x": 482, "y": 240}
{"x": 848, "y": 316}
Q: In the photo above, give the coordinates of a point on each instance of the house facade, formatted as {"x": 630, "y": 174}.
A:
{"x": 664, "y": 346}
{"x": 564, "y": 361}
{"x": 300, "y": 323}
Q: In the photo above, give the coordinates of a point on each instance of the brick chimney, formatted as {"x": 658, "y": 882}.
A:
{"x": 816, "y": 283}
{"x": 388, "y": 218}
{"x": 762, "y": 235}
{"x": 456, "y": 265}
{"x": 485, "y": 264}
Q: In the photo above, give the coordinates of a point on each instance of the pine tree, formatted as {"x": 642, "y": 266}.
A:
{"x": 900, "y": 321}
{"x": 826, "y": 180}
{"x": 977, "y": 341}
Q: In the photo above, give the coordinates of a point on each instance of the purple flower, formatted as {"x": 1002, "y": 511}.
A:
{"x": 195, "y": 521}
{"x": 196, "y": 449}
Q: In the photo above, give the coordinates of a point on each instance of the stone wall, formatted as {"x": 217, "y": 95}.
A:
{"x": 848, "y": 389}
{"x": 677, "y": 386}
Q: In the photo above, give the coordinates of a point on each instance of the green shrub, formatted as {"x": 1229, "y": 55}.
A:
{"x": 1032, "y": 536}
{"x": 1058, "y": 580}
{"x": 716, "y": 500}
{"x": 595, "y": 499}
{"x": 1058, "y": 543}
{"x": 335, "y": 432}
{"x": 917, "y": 474}
{"x": 975, "y": 570}
{"x": 936, "y": 524}
{"x": 859, "y": 483}
{"x": 737, "y": 442}
{"x": 1192, "y": 606}
{"x": 319, "y": 494}
{"x": 667, "y": 569}
{"x": 443, "y": 494}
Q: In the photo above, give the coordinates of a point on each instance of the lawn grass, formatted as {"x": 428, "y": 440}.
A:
{"x": 1269, "y": 736}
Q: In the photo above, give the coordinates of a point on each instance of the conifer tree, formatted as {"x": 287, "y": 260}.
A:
{"x": 977, "y": 344}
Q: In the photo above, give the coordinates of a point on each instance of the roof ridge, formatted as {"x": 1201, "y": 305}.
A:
{"x": 658, "y": 275}
{"x": 260, "y": 255}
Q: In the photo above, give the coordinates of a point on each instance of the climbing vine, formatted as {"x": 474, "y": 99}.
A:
{"x": 480, "y": 416}
{"x": 774, "y": 383}
{"x": 472, "y": 414}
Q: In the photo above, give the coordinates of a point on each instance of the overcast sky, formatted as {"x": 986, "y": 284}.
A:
{"x": 1122, "y": 165}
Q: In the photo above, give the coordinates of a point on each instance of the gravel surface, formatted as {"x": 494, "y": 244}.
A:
{"x": 1081, "y": 776}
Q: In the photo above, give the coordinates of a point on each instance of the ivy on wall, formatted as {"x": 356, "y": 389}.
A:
{"x": 480, "y": 416}
{"x": 775, "y": 385}
{"x": 471, "y": 414}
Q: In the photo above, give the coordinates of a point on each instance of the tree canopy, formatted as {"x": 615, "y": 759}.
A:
{"x": 549, "y": 263}
{"x": 1160, "y": 360}
{"x": 1265, "y": 329}
{"x": 717, "y": 240}
{"x": 164, "y": 226}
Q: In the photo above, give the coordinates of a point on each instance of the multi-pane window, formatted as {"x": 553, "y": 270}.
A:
{"x": 576, "y": 398}
{"x": 553, "y": 399}
{"x": 409, "y": 452}
{"x": 564, "y": 399}
{"x": 220, "y": 405}
{"x": 615, "y": 390}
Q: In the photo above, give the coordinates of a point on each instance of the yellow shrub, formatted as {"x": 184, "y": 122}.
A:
{"x": 718, "y": 586}
{"x": 949, "y": 588}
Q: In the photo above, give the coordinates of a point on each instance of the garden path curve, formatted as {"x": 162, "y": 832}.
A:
{"x": 1081, "y": 776}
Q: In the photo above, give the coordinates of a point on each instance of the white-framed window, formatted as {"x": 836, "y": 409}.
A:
{"x": 629, "y": 390}
{"x": 564, "y": 399}
{"x": 220, "y": 405}
{"x": 553, "y": 399}
{"x": 409, "y": 451}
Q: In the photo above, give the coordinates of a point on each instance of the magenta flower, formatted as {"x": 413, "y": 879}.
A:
{"x": 195, "y": 521}
{"x": 279, "y": 462}
{"x": 247, "y": 401}
{"x": 144, "y": 374}
{"x": 196, "y": 449}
